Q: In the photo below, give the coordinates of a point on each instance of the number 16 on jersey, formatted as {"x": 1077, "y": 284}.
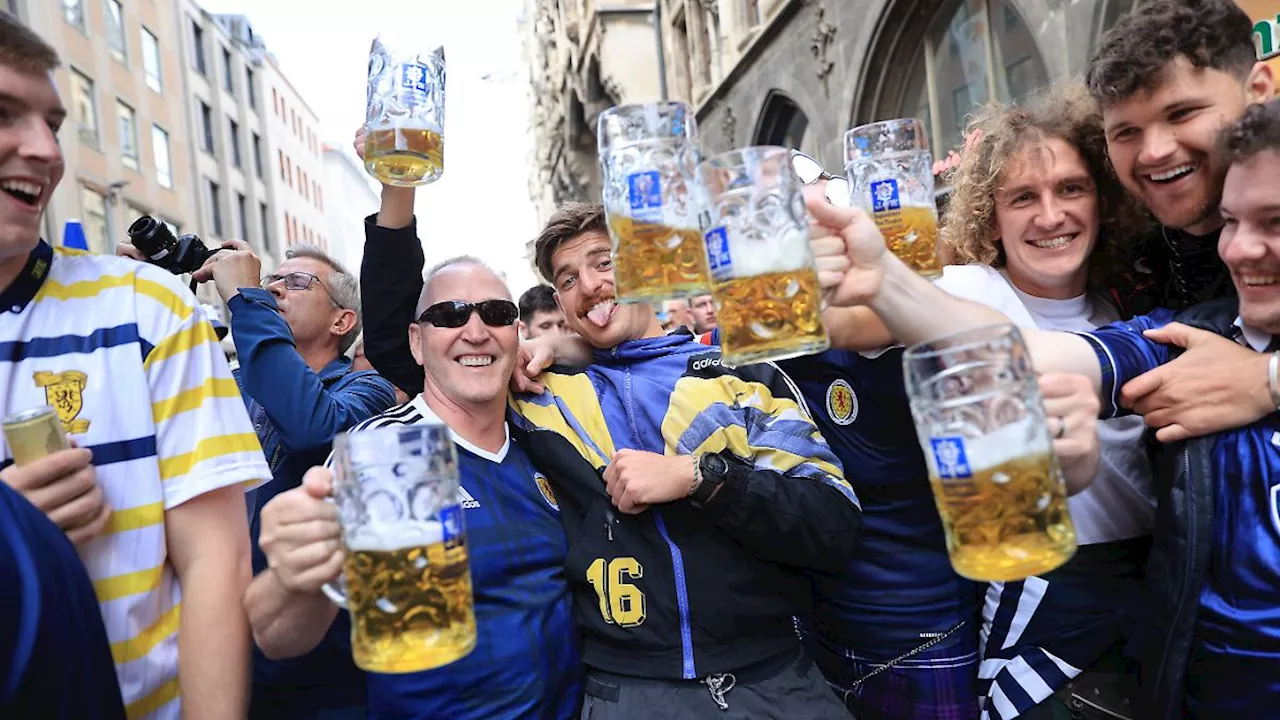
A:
{"x": 621, "y": 603}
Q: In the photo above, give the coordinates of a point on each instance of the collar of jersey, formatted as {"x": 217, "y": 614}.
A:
{"x": 647, "y": 348}
{"x": 429, "y": 416}
{"x": 23, "y": 289}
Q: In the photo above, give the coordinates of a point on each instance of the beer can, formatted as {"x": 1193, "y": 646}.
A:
{"x": 34, "y": 433}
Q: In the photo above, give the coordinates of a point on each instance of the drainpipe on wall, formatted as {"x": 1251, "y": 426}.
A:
{"x": 657, "y": 38}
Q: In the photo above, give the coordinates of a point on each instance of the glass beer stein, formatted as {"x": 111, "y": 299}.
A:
{"x": 981, "y": 422}
{"x": 404, "y": 117}
{"x": 648, "y": 155}
{"x": 890, "y": 172}
{"x": 406, "y": 578}
{"x": 768, "y": 305}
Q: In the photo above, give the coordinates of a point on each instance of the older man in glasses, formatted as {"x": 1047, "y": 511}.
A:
{"x": 291, "y": 329}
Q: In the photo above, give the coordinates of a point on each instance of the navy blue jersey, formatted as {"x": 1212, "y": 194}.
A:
{"x": 901, "y": 585}
{"x": 1235, "y": 667}
{"x": 526, "y": 660}
{"x": 55, "y": 662}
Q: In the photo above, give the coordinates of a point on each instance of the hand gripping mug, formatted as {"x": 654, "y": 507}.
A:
{"x": 981, "y": 422}
{"x": 406, "y": 578}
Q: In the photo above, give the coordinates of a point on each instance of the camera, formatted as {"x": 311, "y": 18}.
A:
{"x": 179, "y": 255}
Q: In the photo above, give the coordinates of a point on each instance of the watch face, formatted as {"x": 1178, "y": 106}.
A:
{"x": 716, "y": 465}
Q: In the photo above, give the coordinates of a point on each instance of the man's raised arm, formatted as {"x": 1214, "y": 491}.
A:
{"x": 390, "y": 284}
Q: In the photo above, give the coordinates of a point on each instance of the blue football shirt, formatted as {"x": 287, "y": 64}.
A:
{"x": 526, "y": 661}
{"x": 1235, "y": 662}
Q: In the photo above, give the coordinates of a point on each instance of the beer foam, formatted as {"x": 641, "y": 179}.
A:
{"x": 386, "y": 538}
{"x": 750, "y": 255}
{"x": 1019, "y": 439}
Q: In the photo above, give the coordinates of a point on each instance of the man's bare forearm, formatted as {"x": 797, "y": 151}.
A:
{"x": 213, "y": 639}
{"x": 286, "y": 624}
{"x": 397, "y": 207}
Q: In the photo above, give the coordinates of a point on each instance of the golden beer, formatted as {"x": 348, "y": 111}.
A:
{"x": 911, "y": 233}
{"x": 656, "y": 262}
{"x": 1008, "y": 521}
{"x": 411, "y": 608}
{"x": 404, "y": 157}
{"x": 772, "y": 315}
{"x": 33, "y": 434}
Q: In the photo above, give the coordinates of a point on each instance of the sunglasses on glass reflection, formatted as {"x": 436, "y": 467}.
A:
{"x": 455, "y": 313}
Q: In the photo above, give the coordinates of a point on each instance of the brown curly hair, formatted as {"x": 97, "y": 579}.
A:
{"x": 997, "y": 134}
{"x": 1133, "y": 54}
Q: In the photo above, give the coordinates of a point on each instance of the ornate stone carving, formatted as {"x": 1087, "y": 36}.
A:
{"x": 729, "y": 126}
{"x": 711, "y": 6}
{"x": 613, "y": 89}
{"x": 824, "y": 33}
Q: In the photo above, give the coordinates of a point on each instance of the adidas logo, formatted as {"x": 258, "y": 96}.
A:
{"x": 465, "y": 500}
{"x": 705, "y": 363}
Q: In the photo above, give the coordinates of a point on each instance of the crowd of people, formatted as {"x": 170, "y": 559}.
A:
{"x": 653, "y": 533}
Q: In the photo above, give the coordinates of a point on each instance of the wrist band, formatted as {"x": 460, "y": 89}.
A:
{"x": 1273, "y": 379}
{"x": 697, "y": 459}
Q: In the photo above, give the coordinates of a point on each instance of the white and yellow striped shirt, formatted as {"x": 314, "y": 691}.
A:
{"x": 121, "y": 350}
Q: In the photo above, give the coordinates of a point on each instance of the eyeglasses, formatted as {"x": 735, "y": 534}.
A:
{"x": 298, "y": 280}
{"x": 455, "y": 313}
{"x": 811, "y": 171}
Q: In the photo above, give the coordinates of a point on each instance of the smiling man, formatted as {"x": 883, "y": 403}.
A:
{"x": 718, "y": 492}
{"x": 139, "y": 380}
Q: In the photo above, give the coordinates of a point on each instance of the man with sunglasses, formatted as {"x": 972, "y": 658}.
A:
{"x": 291, "y": 329}
{"x": 525, "y": 663}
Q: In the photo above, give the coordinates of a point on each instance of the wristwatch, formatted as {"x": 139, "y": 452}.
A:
{"x": 712, "y": 471}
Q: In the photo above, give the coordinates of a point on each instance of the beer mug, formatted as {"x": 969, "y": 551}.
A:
{"x": 765, "y": 288}
{"x": 406, "y": 578}
{"x": 890, "y": 173}
{"x": 981, "y": 422}
{"x": 648, "y": 156}
{"x": 404, "y": 117}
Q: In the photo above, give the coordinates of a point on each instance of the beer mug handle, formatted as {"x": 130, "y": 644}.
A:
{"x": 336, "y": 592}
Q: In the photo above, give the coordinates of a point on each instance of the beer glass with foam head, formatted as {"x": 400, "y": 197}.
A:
{"x": 648, "y": 160}
{"x": 890, "y": 172}
{"x": 768, "y": 305}
{"x": 406, "y": 579}
{"x": 981, "y": 422}
{"x": 404, "y": 118}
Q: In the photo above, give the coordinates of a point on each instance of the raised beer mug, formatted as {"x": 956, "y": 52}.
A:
{"x": 763, "y": 282}
{"x": 981, "y": 422}
{"x": 406, "y": 578}
{"x": 404, "y": 116}
{"x": 648, "y": 156}
{"x": 890, "y": 172}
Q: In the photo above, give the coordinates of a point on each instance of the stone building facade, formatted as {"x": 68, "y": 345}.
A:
{"x": 811, "y": 69}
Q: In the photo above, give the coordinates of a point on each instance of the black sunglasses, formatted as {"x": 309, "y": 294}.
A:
{"x": 455, "y": 313}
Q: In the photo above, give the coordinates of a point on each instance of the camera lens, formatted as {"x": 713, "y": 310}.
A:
{"x": 152, "y": 237}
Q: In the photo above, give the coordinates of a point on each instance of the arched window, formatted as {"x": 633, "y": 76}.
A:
{"x": 974, "y": 51}
{"x": 782, "y": 122}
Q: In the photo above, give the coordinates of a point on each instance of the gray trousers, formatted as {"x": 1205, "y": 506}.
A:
{"x": 797, "y": 692}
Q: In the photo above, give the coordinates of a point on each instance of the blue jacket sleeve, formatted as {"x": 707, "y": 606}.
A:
{"x": 390, "y": 284}
{"x": 272, "y": 372}
{"x": 1124, "y": 353}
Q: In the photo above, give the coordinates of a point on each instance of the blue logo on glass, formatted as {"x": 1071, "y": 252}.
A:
{"x": 884, "y": 195}
{"x": 645, "y": 190}
{"x": 948, "y": 453}
{"x": 451, "y": 521}
{"x": 413, "y": 77}
{"x": 718, "y": 250}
